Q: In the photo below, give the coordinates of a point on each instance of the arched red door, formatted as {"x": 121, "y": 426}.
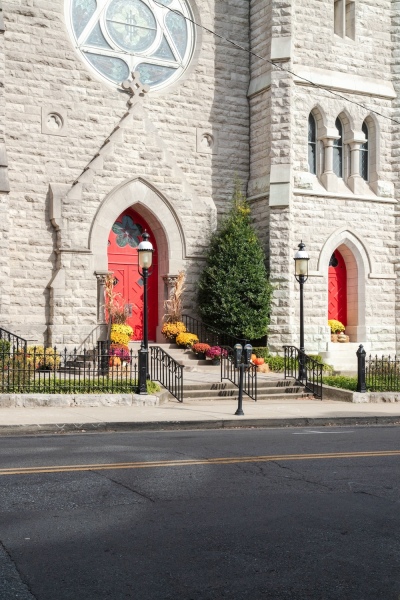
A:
{"x": 124, "y": 237}
{"x": 337, "y": 295}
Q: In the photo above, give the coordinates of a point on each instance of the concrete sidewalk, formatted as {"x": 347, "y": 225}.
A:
{"x": 195, "y": 415}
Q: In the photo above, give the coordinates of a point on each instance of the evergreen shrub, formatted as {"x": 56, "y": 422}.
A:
{"x": 234, "y": 291}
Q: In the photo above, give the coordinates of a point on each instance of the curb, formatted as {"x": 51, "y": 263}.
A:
{"x": 103, "y": 427}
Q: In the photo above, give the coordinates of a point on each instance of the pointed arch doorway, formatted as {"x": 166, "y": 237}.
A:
{"x": 337, "y": 288}
{"x": 123, "y": 239}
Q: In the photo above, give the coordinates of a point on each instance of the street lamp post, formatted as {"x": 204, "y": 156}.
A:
{"x": 301, "y": 259}
{"x": 145, "y": 256}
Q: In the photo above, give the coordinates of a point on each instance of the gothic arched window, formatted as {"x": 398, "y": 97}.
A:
{"x": 338, "y": 150}
{"x": 117, "y": 37}
{"x": 364, "y": 171}
{"x": 312, "y": 145}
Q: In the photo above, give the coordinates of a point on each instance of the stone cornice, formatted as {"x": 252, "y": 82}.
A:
{"x": 344, "y": 82}
{"x": 300, "y": 192}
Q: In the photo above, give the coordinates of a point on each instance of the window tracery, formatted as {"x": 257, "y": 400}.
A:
{"x": 117, "y": 37}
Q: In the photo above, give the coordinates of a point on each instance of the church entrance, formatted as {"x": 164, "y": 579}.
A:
{"x": 337, "y": 290}
{"x": 124, "y": 237}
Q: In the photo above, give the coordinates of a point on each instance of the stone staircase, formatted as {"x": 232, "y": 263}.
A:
{"x": 184, "y": 357}
{"x": 267, "y": 390}
{"x": 78, "y": 363}
{"x": 201, "y": 380}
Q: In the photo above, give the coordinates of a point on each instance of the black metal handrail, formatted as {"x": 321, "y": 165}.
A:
{"x": 228, "y": 371}
{"x": 167, "y": 371}
{"x": 49, "y": 371}
{"x": 16, "y": 342}
{"x": 209, "y": 334}
{"x": 303, "y": 368}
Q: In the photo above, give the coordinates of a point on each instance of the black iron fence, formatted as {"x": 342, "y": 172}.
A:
{"x": 304, "y": 369}
{"x": 11, "y": 341}
{"x": 228, "y": 371}
{"x": 50, "y": 371}
{"x": 167, "y": 371}
{"x": 208, "y": 334}
{"x": 378, "y": 374}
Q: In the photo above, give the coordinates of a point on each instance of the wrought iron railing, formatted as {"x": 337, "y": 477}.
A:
{"x": 167, "y": 371}
{"x": 228, "y": 371}
{"x": 382, "y": 374}
{"x": 49, "y": 371}
{"x": 210, "y": 335}
{"x": 15, "y": 341}
{"x": 304, "y": 369}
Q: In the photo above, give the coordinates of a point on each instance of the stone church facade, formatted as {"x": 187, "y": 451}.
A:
{"x": 120, "y": 115}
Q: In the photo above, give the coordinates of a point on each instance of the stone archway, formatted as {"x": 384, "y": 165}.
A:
{"x": 358, "y": 267}
{"x": 155, "y": 209}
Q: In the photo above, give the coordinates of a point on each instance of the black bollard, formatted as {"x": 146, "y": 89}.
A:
{"x": 361, "y": 387}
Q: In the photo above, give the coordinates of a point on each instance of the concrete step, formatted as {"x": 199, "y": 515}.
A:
{"x": 234, "y": 396}
{"x": 208, "y": 395}
{"x": 266, "y": 390}
{"x": 261, "y": 385}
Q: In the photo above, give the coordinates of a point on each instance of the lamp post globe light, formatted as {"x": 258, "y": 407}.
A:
{"x": 301, "y": 259}
{"x": 145, "y": 259}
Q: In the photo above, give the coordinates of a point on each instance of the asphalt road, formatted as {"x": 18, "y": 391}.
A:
{"x": 202, "y": 515}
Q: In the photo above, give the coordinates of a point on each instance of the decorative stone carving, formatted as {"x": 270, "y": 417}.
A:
{"x": 206, "y": 142}
{"x": 135, "y": 87}
{"x": 101, "y": 302}
{"x": 54, "y": 121}
{"x": 169, "y": 282}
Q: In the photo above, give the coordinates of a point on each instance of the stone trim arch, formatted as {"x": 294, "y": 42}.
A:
{"x": 146, "y": 199}
{"x": 162, "y": 219}
{"x": 359, "y": 267}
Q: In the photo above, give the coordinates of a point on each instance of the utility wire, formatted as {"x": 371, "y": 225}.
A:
{"x": 277, "y": 65}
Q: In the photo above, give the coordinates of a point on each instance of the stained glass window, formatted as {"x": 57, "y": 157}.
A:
{"x": 338, "y": 150}
{"x": 312, "y": 145}
{"x": 364, "y": 154}
{"x": 116, "y": 37}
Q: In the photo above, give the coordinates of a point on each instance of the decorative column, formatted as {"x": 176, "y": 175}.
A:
{"x": 329, "y": 178}
{"x": 355, "y": 181}
{"x": 169, "y": 283}
{"x": 101, "y": 300}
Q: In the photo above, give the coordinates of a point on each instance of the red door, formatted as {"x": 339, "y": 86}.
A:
{"x": 337, "y": 295}
{"x": 124, "y": 237}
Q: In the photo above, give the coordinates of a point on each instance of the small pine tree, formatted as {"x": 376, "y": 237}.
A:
{"x": 234, "y": 291}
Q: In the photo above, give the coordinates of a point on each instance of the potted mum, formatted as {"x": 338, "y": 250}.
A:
{"x": 337, "y": 328}
{"x": 171, "y": 330}
{"x": 200, "y": 350}
{"x": 215, "y": 353}
{"x": 186, "y": 340}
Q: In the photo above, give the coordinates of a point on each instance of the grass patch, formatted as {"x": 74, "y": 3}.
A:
{"x": 64, "y": 386}
{"x": 340, "y": 381}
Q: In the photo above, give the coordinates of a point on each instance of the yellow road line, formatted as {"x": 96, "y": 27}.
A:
{"x": 193, "y": 462}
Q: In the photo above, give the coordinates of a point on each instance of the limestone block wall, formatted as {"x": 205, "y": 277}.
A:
{"x": 327, "y": 224}
{"x": 316, "y": 44}
{"x": 395, "y": 158}
{"x": 44, "y": 76}
{"x": 270, "y": 96}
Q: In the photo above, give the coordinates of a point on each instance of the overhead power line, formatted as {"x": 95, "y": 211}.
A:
{"x": 278, "y": 66}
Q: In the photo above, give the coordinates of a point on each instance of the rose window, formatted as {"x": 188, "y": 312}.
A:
{"x": 117, "y": 37}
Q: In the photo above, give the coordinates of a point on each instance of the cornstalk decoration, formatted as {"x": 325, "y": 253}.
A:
{"x": 173, "y": 305}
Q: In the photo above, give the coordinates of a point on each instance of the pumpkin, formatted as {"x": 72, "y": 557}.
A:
{"x": 258, "y": 361}
{"x": 115, "y": 361}
{"x": 253, "y": 357}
